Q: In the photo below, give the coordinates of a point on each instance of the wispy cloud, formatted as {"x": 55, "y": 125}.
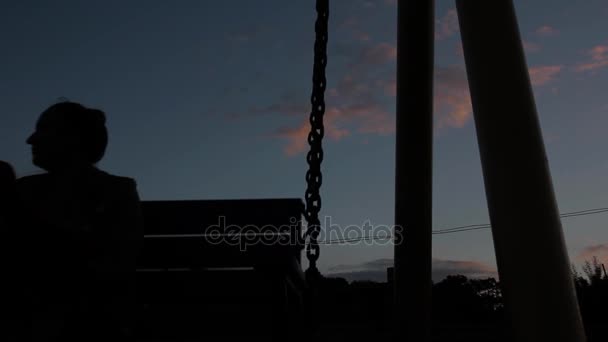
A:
{"x": 354, "y": 105}
{"x": 454, "y": 108}
{"x": 360, "y": 102}
{"x": 531, "y": 47}
{"x": 363, "y": 37}
{"x": 598, "y": 59}
{"x": 297, "y": 137}
{"x": 546, "y": 30}
{"x": 600, "y": 251}
{"x": 452, "y": 100}
{"x": 353, "y": 27}
{"x": 376, "y": 270}
{"x": 378, "y": 54}
{"x": 447, "y": 25}
{"x": 544, "y": 74}
{"x": 363, "y": 118}
{"x": 356, "y": 108}
{"x": 452, "y": 103}
{"x": 357, "y": 104}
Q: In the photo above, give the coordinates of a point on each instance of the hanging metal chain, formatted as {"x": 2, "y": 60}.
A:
{"x": 314, "y": 178}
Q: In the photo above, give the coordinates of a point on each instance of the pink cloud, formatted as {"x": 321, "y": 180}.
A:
{"x": 353, "y": 28}
{"x": 454, "y": 109}
{"x": 363, "y": 37}
{"x": 541, "y": 75}
{"x": 531, "y": 47}
{"x": 357, "y": 103}
{"x": 600, "y": 251}
{"x": 378, "y": 54}
{"x": 352, "y": 107}
{"x": 389, "y": 87}
{"x": 447, "y": 25}
{"x": 599, "y": 52}
{"x": 373, "y": 118}
{"x": 452, "y": 100}
{"x": 598, "y": 59}
{"x": 287, "y": 105}
{"x": 297, "y": 137}
{"x": 349, "y": 22}
{"x": 349, "y": 87}
{"x": 459, "y": 49}
{"x": 546, "y": 30}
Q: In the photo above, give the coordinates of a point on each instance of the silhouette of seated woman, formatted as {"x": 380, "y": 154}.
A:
{"x": 7, "y": 193}
{"x": 85, "y": 227}
{"x": 10, "y": 316}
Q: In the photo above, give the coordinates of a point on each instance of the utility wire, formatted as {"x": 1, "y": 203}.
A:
{"x": 458, "y": 229}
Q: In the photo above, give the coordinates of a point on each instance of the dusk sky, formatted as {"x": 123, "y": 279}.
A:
{"x": 210, "y": 100}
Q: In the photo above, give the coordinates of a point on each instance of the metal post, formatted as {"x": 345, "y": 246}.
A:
{"x": 533, "y": 263}
{"x": 413, "y": 178}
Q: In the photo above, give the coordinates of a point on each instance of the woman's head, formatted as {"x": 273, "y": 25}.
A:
{"x": 67, "y": 135}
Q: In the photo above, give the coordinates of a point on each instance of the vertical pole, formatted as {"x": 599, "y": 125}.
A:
{"x": 532, "y": 260}
{"x": 413, "y": 173}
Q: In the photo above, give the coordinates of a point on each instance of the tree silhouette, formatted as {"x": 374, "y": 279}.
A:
{"x": 592, "y": 292}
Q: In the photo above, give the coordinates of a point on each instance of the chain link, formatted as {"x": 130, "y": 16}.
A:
{"x": 314, "y": 178}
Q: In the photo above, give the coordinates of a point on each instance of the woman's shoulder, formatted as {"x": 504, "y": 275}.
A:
{"x": 27, "y": 184}
{"x": 32, "y": 178}
{"x": 96, "y": 179}
{"x": 117, "y": 188}
{"x": 119, "y": 181}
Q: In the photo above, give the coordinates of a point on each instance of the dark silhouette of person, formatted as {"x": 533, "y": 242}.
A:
{"x": 84, "y": 231}
{"x": 10, "y": 315}
{"x": 7, "y": 192}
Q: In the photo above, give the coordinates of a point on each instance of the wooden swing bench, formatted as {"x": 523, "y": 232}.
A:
{"x": 220, "y": 268}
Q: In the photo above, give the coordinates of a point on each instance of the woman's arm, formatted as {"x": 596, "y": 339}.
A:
{"x": 7, "y": 184}
{"x": 122, "y": 227}
{"x": 117, "y": 269}
{"x": 8, "y": 195}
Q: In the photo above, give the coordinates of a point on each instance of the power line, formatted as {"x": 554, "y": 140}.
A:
{"x": 458, "y": 229}
{"x": 585, "y": 212}
{"x": 441, "y": 232}
{"x": 468, "y": 227}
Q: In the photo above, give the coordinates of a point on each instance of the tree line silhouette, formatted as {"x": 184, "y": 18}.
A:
{"x": 464, "y": 309}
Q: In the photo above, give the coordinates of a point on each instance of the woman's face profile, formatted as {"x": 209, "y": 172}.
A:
{"x": 54, "y": 143}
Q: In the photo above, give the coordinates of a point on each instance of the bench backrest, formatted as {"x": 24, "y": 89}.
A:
{"x": 221, "y": 233}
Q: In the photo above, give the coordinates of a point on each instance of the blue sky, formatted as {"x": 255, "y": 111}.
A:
{"x": 209, "y": 100}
